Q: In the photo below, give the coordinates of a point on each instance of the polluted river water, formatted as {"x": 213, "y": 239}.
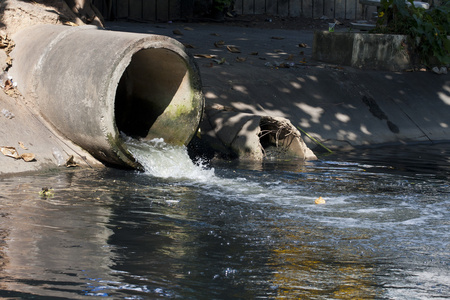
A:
{"x": 232, "y": 230}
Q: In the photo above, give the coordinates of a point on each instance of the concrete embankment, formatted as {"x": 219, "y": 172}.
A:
{"x": 274, "y": 75}
{"x": 271, "y": 73}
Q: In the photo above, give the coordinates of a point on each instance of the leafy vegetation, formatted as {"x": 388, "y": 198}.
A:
{"x": 428, "y": 29}
{"x": 220, "y": 5}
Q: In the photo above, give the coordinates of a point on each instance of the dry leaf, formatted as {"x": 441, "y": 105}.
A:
{"x": 70, "y": 163}
{"x": 233, "y": 49}
{"x": 68, "y": 23}
{"x": 9, "y": 60}
{"x": 241, "y": 59}
{"x": 28, "y": 157}
{"x": 204, "y": 55}
{"x": 220, "y": 61}
{"x": 215, "y": 34}
{"x": 10, "y": 151}
{"x": 6, "y": 42}
{"x": 254, "y": 53}
{"x": 177, "y": 32}
{"x": 290, "y": 57}
{"x": 319, "y": 200}
{"x": 218, "y": 44}
{"x": 278, "y": 50}
{"x": 188, "y": 28}
{"x": 303, "y": 45}
{"x": 8, "y": 85}
{"x": 22, "y": 146}
{"x": 188, "y": 46}
{"x": 277, "y": 38}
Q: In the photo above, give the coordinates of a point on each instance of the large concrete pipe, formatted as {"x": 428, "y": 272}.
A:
{"x": 93, "y": 84}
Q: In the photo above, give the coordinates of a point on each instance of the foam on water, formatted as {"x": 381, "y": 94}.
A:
{"x": 167, "y": 161}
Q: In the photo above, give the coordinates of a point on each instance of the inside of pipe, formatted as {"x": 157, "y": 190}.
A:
{"x": 146, "y": 89}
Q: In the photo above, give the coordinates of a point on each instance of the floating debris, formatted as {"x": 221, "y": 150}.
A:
{"x": 47, "y": 192}
{"x": 319, "y": 200}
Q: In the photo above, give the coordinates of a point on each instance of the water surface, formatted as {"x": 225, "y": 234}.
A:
{"x": 232, "y": 230}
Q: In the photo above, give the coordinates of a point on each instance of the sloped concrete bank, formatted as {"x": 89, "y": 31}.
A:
{"x": 342, "y": 107}
{"x": 338, "y": 106}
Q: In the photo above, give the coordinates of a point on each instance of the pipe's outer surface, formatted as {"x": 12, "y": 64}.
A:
{"x": 93, "y": 84}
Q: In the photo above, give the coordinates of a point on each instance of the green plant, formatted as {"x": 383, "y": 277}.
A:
{"x": 220, "y": 5}
{"x": 428, "y": 29}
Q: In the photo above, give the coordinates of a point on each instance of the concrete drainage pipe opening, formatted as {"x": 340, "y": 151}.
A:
{"x": 155, "y": 83}
{"x": 92, "y": 84}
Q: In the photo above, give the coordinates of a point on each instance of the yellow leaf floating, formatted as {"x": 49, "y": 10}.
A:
{"x": 319, "y": 200}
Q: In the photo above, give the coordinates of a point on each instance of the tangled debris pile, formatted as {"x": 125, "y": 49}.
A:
{"x": 7, "y": 45}
{"x": 6, "y": 81}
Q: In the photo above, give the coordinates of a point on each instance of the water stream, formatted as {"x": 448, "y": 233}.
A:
{"x": 232, "y": 230}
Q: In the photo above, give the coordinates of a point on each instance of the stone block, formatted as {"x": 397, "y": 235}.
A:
{"x": 387, "y": 52}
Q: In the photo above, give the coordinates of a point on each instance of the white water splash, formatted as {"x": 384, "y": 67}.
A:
{"x": 167, "y": 161}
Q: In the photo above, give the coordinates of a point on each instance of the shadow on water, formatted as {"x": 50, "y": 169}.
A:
{"x": 410, "y": 160}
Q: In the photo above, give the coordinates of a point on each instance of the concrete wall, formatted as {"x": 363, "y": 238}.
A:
{"x": 364, "y": 51}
